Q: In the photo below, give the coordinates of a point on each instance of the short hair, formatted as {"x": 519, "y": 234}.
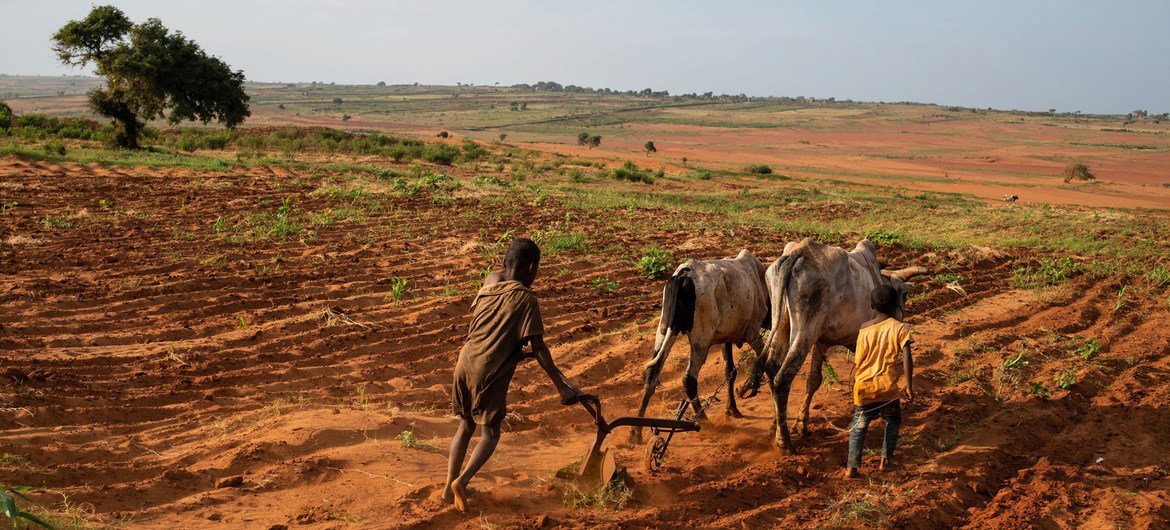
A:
{"x": 522, "y": 252}
{"x": 884, "y": 298}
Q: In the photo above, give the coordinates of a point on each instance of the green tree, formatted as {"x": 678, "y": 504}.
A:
{"x": 150, "y": 73}
{"x": 5, "y": 115}
{"x": 583, "y": 138}
{"x": 650, "y": 148}
{"x": 594, "y": 141}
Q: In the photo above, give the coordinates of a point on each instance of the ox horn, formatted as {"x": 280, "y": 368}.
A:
{"x": 907, "y": 273}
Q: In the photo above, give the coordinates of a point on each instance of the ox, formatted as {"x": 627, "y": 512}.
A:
{"x": 820, "y": 298}
{"x": 722, "y": 301}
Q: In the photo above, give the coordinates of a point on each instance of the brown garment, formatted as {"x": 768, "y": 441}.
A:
{"x": 503, "y": 316}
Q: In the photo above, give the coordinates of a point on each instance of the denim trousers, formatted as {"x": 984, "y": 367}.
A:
{"x": 891, "y": 414}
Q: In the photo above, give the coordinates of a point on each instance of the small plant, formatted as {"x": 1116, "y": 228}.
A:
{"x": 398, "y": 288}
{"x": 8, "y": 205}
{"x": 410, "y": 441}
{"x": 1039, "y": 390}
{"x": 1015, "y": 363}
{"x": 54, "y": 147}
{"x": 603, "y": 284}
{"x": 241, "y": 323}
{"x": 758, "y": 169}
{"x": 1078, "y": 171}
{"x": 830, "y": 375}
{"x": 654, "y": 263}
{"x": 631, "y": 172}
{"x": 1159, "y": 276}
{"x": 1089, "y": 349}
{"x": 1119, "y": 304}
{"x": 949, "y": 277}
{"x": 1066, "y": 379}
{"x": 8, "y": 496}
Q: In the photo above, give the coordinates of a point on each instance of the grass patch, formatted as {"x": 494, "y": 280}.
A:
{"x": 1047, "y": 272}
{"x": 410, "y": 441}
{"x": 654, "y": 263}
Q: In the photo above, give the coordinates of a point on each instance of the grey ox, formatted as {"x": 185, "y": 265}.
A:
{"x": 723, "y": 301}
{"x": 820, "y": 298}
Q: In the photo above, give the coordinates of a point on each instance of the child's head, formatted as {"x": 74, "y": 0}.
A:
{"x": 522, "y": 260}
{"x": 884, "y": 299}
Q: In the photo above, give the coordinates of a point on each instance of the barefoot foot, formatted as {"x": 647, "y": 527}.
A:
{"x": 459, "y": 493}
{"x": 851, "y": 472}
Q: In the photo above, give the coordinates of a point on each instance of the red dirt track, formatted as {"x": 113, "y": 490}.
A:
{"x": 142, "y": 360}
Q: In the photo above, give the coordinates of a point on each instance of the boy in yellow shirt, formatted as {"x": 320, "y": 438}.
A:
{"x": 877, "y": 385}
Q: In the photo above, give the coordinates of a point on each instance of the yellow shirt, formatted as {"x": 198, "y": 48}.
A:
{"x": 879, "y": 362}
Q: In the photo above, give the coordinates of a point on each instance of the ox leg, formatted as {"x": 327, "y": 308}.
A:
{"x": 651, "y": 382}
{"x": 691, "y": 378}
{"x": 761, "y": 366}
{"x": 797, "y": 352}
{"x": 729, "y": 372}
{"x": 815, "y": 377}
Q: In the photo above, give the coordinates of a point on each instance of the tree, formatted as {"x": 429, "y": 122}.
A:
{"x": 524, "y": 106}
{"x": 150, "y": 73}
{"x": 381, "y": 83}
{"x": 594, "y": 141}
{"x": 1078, "y": 171}
{"x": 583, "y": 138}
{"x": 650, "y": 148}
{"x": 5, "y": 115}
{"x": 503, "y": 136}
{"x": 338, "y": 101}
{"x": 684, "y": 161}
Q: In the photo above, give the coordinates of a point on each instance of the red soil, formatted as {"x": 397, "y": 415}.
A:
{"x": 132, "y": 387}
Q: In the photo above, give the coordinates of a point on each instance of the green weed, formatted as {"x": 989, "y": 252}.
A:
{"x": 654, "y": 263}
{"x": 398, "y": 288}
{"x": 603, "y": 284}
{"x": 410, "y": 441}
{"x": 1089, "y": 349}
{"x": 1066, "y": 379}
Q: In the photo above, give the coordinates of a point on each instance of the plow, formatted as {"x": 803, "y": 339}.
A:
{"x": 599, "y": 465}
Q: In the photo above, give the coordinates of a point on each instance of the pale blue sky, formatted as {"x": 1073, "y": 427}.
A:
{"x": 1107, "y": 57}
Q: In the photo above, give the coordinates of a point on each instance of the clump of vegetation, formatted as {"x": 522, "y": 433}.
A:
{"x": 758, "y": 169}
{"x": 410, "y": 441}
{"x": 610, "y": 496}
{"x": 1089, "y": 349}
{"x": 603, "y": 284}
{"x": 860, "y": 508}
{"x": 553, "y": 242}
{"x": 1047, "y": 272}
{"x": 398, "y": 288}
{"x": 1066, "y": 379}
{"x": 633, "y": 173}
{"x": 5, "y": 116}
{"x": 8, "y": 506}
{"x": 654, "y": 263}
{"x": 1039, "y": 390}
{"x": 54, "y": 147}
{"x": 650, "y": 148}
{"x": 882, "y": 238}
{"x": 440, "y": 154}
{"x": 1078, "y": 171}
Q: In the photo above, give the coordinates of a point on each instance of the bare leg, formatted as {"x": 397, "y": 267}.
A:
{"x": 729, "y": 372}
{"x": 813, "y": 384}
{"x": 483, "y": 451}
{"x": 457, "y": 453}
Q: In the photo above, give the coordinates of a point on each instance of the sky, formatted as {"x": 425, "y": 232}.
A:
{"x": 1095, "y": 57}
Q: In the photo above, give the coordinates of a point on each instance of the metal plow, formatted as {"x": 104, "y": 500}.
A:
{"x": 599, "y": 466}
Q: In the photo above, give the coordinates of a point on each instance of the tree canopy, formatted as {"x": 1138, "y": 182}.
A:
{"x": 150, "y": 73}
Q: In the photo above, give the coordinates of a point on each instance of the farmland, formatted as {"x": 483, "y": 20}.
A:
{"x": 258, "y": 328}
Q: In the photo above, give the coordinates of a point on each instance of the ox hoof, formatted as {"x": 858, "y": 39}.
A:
{"x": 733, "y": 413}
{"x": 746, "y": 392}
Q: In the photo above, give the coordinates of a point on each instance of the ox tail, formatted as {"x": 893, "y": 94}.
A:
{"x": 678, "y": 311}
{"x": 780, "y": 300}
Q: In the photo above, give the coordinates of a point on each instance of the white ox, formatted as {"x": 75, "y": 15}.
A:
{"x": 722, "y": 301}
{"x": 820, "y": 298}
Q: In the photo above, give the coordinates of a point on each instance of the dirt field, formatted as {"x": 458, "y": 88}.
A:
{"x": 150, "y": 352}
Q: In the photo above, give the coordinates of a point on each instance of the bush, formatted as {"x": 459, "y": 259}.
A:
{"x": 440, "y": 154}
{"x": 1078, "y": 171}
{"x": 654, "y": 264}
{"x": 5, "y": 115}
{"x": 54, "y": 147}
{"x": 473, "y": 151}
{"x": 759, "y": 169}
{"x": 632, "y": 173}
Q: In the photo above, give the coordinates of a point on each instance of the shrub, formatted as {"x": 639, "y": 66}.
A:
{"x": 54, "y": 147}
{"x": 633, "y": 173}
{"x": 1078, "y": 171}
{"x": 5, "y": 115}
{"x": 759, "y": 169}
{"x": 440, "y": 154}
{"x": 654, "y": 263}
{"x": 337, "y": 101}
{"x": 1046, "y": 273}
{"x": 473, "y": 151}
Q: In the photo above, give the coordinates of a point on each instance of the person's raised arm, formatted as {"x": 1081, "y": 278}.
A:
{"x": 908, "y": 370}
{"x": 569, "y": 394}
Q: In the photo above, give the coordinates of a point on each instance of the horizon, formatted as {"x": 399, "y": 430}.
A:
{"x": 1077, "y": 57}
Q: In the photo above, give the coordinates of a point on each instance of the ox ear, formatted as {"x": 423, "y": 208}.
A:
{"x": 907, "y": 273}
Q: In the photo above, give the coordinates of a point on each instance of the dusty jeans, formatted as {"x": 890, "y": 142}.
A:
{"x": 891, "y": 414}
